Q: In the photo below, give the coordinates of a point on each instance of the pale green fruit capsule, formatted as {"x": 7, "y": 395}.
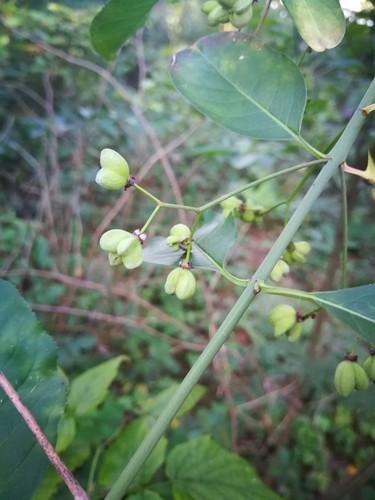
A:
{"x": 227, "y": 4}
{"x": 217, "y": 16}
{"x": 241, "y": 20}
{"x": 241, "y": 6}
{"x": 294, "y": 333}
{"x": 282, "y": 317}
{"x": 208, "y": 6}
{"x": 300, "y": 250}
{"x": 369, "y": 367}
{"x": 180, "y": 282}
{"x": 230, "y": 204}
{"x": 111, "y": 239}
{"x": 281, "y": 269}
{"x": 361, "y": 378}
{"x": 122, "y": 247}
{"x": 114, "y": 173}
{"x": 179, "y": 233}
{"x": 344, "y": 378}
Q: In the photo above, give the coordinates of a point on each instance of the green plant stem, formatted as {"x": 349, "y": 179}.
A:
{"x": 149, "y": 220}
{"x": 240, "y": 190}
{"x": 161, "y": 204}
{"x": 233, "y": 279}
{"x": 344, "y": 222}
{"x": 285, "y": 292}
{"x": 302, "y": 142}
{"x": 337, "y": 156}
{"x": 192, "y": 232}
{"x": 295, "y": 191}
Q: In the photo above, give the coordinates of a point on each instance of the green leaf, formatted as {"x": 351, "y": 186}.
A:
{"x": 242, "y": 84}
{"x": 353, "y": 306}
{"x": 123, "y": 448}
{"x": 321, "y": 23}
{"x": 116, "y": 22}
{"x": 88, "y": 390}
{"x": 28, "y": 359}
{"x": 202, "y": 470}
{"x": 66, "y": 432}
{"x": 159, "y": 402}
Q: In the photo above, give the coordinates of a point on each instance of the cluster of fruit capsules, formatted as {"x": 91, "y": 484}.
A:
{"x": 350, "y": 375}
{"x": 296, "y": 251}
{"x": 237, "y": 12}
{"x": 243, "y": 210}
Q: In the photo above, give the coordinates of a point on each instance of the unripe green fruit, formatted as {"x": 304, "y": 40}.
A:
{"x": 179, "y": 234}
{"x": 282, "y": 317}
{"x": 227, "y": 4}
{"x": 241, "y": 20}
{"x": 302, "y": 246}
{"x": 122, "y": 247}
{"x": 361, "y": 378}
{"x": 369, "y": 367}
{"x": 229, "y": 205}
{"x": 180, "y": 282}
{"x": 344, "y": 378}
{"x": 281, "y": 269}
{"x": 208, "y": 6}
{"x": 114, "y": 173}
{"x": 241, "y": 6}
{"x": 217, "y": 16}
{"x": 295, "y": 332}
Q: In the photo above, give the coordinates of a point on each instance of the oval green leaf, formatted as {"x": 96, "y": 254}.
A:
{"x": 353, "y": 306}
{"x": 28, "y": 359}
{"x": 116, "y": 22}
{"x": 243, "y": 85}
{"x": 202, "y": 470}
{"x": 321, "y": 23}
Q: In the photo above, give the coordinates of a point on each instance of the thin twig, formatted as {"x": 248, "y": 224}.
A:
{"x": 263, "y": 18}
{"x": 68, "y": 478}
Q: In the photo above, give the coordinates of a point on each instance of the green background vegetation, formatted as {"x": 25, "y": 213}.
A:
{"x": 270, "y": 401}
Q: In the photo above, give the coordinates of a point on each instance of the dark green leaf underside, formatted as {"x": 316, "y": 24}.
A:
{"x": 242, "y": 84}
{"x": 116, "y": 23}
{"x": 353, "y": 306}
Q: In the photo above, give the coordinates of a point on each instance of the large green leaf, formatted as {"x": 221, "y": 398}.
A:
{"x": 243, "y": 85}
{"x": 28, "y": 360}
{"x": 353, "y": 306}
{"x": 321, "y": 23}
{"x": 202, "y": 470}
{"x": 116, "y": 22}
{"x": 124, "y": 447}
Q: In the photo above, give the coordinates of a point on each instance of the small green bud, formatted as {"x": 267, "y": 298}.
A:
{"x": 217, "y": 16}
{"x": 123, "y": 247}
{"x": 208, "y": 6}
{"x": 344, "y": 378}
{"x": 241, "y": 20}
{"x": 114, "y": 173}
{"x": 241, "y": 6}
{"x": 281, "y": 269}
{"x": 179, "y": 234}
{"x": 369, "y": 365}
{"x": 180, "y": 282}
{"x": 283, "y": 318}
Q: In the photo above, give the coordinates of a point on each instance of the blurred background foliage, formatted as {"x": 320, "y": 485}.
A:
{"x": 271, "y": 401}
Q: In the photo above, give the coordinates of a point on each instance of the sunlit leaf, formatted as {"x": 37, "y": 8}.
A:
{"x": 116, "y": 22}
{"x": 28, "y": 359}
{"x": 321, "y": 23}
{"x": 242, "y": 84}
{"x": 90, "y": 388}
{"x": 158, "y": 403}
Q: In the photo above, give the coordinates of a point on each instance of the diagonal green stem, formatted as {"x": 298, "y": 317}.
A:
{"x": 337, "y": 156}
